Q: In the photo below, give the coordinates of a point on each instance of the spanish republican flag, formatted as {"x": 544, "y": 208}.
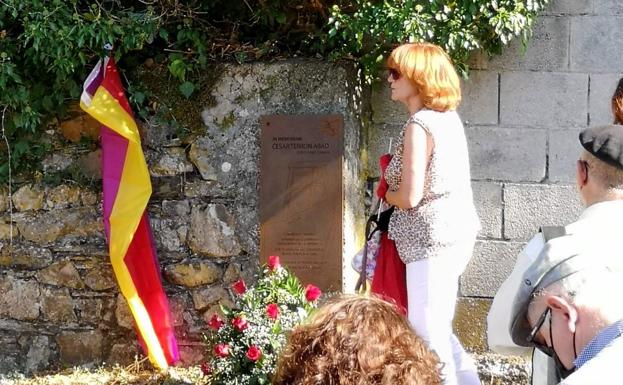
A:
{"x": 126, "y": 192}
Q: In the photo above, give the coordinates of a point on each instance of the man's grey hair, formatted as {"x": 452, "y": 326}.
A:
{"x": 610, "y": 177}
{"x": 598, "y": 288}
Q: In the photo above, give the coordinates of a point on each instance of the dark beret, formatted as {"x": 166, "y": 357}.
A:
{"x": 605, "y": 143}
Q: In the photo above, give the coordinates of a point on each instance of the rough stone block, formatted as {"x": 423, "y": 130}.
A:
{"x": 492, "y": 262}
{"x": 600, "y": 96}
{"x": 4, "y": 199}
{"x": 212, "y": 231}
{"x": 38, "y": 354}
{"x": 25, "y": 257}
{"x": 19, "y": 299}
{"x": 28, "y": 197}
{"x": 566, "y": 7}
{"x": 193, "y": 274}
{"x": 608, "y": 7}
{"x": 100, "y": 278}
{"x": 49, "y": 226}
{"x": 123, "y": 314}
{"x": 384, "y": 109}
{"x": 122, "y": 354}
{"x": 8, "y": 231}
{"x": 593, "y": 47}
{"x": 529, "y": 206}
{"x": 539, "y": 99}
{"x": 62, "y": 273}
{"x": 547, "y": 49}
{"x": 202, "y": 298}
{"x": 80, "y": 347}
{"x": 507, "y": 154}
{"x": 57, "y": 306}
{"x": 488, "y": 201}
{"x": 479, "y": 103}
{"x": 564, "y": 150}
{"x": 95, "y": 311}
{"x": 497, "y": 369}
{"x": 470, "y": 323}
{"x": 62, "y": 196}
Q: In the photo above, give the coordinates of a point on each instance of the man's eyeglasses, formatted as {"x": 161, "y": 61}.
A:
{"x": 393, "y": 73}
{"x": 535, "y": 331}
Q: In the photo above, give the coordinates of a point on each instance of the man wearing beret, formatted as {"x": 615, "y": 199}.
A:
{"x": 565, "y": 307}
{"x": 599, "y": 178}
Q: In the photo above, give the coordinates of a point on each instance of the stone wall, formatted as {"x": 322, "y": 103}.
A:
{"x": 59, "y": 302}
{"x": 523, "y": 111}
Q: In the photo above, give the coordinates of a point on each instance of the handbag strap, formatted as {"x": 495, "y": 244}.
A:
{"x": 362, "y": 282}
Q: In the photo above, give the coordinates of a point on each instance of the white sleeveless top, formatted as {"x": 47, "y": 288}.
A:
{"x": 445, "y": 218}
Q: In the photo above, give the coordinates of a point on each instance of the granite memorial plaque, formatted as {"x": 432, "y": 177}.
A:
{"x": 301, "y": 196}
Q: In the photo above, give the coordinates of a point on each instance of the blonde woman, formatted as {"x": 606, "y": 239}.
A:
{"x": 435, "y": 223}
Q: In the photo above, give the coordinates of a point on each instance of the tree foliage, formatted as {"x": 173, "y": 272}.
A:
{"x": 369, "y": 29}
{"x": 48, "y": 46}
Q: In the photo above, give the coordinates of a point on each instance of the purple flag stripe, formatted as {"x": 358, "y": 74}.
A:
{"x": 114, "y": 148}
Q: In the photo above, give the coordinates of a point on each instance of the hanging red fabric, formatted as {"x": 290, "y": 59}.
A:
{"x": 390, "y": 275}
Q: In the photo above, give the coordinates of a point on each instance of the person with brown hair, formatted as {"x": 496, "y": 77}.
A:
{"x": 617, "y": 103}
{"x": 434, "y": 224}
{"x": 358, "y": 340}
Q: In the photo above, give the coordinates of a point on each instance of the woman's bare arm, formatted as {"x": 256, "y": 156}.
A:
{"x": 418, "y": 147}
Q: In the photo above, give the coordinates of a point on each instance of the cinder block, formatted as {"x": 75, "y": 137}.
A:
{"x": 492, "y": 262}
{"x": 595, "y": 43}
{"x": 567, "y": 7}
{"x": 529, "y": 206}
{"x": 384, "y": 109}
{"x": 602, "y": 87}
{"x": 547, "y": 49}
{"x": 470, "y": 323}
{"x": 378, "y": 144}
{"x": 608, "y": 7}
{"x": 564, "y": 150}
{"x": 479, "y": 103}
{"x": 507, "y": 154}
{"x": 488, "y": 201}
{"x": 539, "y": 99}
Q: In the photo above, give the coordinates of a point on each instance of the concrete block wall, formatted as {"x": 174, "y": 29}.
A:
{"x": 522, "y": 112}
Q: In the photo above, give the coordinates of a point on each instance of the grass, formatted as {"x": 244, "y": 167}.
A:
{"x": 138, "y": 373}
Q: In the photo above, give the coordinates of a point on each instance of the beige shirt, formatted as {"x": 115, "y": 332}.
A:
{"x": 445, "y": 218}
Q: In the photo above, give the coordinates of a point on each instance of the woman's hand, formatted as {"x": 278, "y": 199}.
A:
{"x": 417, "y": 150}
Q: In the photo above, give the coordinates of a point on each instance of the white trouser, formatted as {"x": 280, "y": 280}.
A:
{"x": 432, "y": 286}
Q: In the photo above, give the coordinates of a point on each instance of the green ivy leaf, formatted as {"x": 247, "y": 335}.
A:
{"x": 187, "y": 88}
{"x": 178, "y": 69}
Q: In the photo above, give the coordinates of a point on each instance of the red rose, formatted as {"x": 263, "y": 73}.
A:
{"x": 221, "y": 350}
{"x": 206, "y": 369}
{"x": 215, "y": 322}
{"x": 312, "y": 293}
{"x": 240, "y": 323}
{"x": 272, "y": 310}
{"x": 273, "y": 262}
{"x": 254, "y": 353}
{"x": 239, "y": 287}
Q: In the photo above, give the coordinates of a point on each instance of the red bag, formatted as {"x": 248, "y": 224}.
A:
{"x": 390, "y": 274}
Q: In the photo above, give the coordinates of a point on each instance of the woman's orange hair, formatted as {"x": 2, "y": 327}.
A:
{"x": 356, "y": 340}
{"x": 430, "y": 69}
{"x": 617, "y": 103}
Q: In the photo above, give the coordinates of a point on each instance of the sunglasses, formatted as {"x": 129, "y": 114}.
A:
{"x": 393, "y": 73}
{"x": 535, "y": 330}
